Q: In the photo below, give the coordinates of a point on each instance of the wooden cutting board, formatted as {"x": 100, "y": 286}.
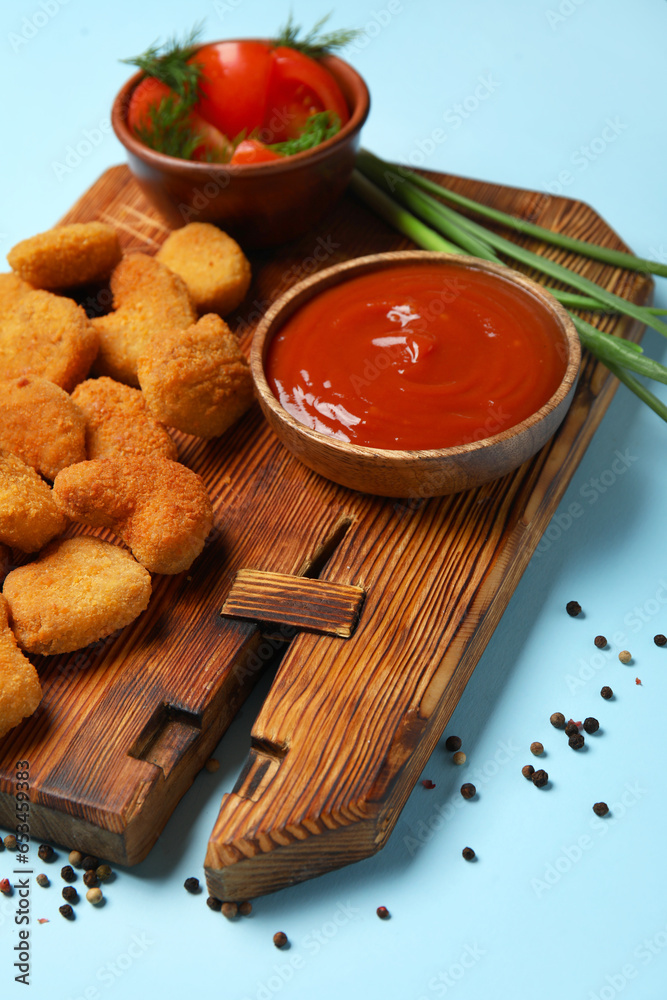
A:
{"x": 384, "y": 608}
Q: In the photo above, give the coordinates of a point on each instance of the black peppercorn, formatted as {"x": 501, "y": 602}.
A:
{"x": 245, "y": 908}
{"x": 280, "y": 939}
{"x": 571, "y": 729}
{"x": 453, "y": 743}
{"x": 192, "y": 884}
{"x": 606, "y": 692}
{"x": 540, "y": 778}
{"x": 90, "y": 879}
{"x": 557, "y": 720}
{"x": 577, "y": 741}
{"x": 600, "y": 808}
{"x": 230, "y": 910}
{"x": 70, "y": 895}
{"x": 214, "y": 904}
{"x": 67, "y": 911}
{"x": 573, "y": 608}
{"x": 468, "y": 791}
{"x": 43, "y": 880}
{"x": 89, "y": 863}
{"x": 528, "y": 770}
{"x": 468, "y": 853}
{"x": 382, "y": 912}
{"x": 660, "y": 640}
{"x": 103, "y": 873}
{"x": 68, "y": 874}
{"x": 591, "y": 725}
{"x": 46, "y": 852}
{"x": 600, "y": 641}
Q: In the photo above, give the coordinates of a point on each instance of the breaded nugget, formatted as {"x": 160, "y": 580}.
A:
{"x": 67, "y": 256}
{"x": 211, "y": 264}
{"x": 78, "y": 590}
{"x": 29, "y": 514}
{"x": 197, "y": 380}
{"x": 20, "y": 690}
{"x": 159, "y": 508}
{"x": 47, "y": 335}
{"x": 147, "y": 296}
{"x": 41, "y": 424}
{"x": 118, "y": 421}
{"x": 11, "y": 289}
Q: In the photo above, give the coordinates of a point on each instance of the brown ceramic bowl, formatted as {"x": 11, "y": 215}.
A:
{"x": 261, "y": 204}
{"x": 413, "y": 474}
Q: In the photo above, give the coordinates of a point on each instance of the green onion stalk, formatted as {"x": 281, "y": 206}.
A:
{"x": 421, "y": 210}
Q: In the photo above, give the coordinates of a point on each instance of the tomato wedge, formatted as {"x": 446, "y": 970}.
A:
{"x": 235, "y": 78}
{"x": 298, "y": 88}
{"x": 148, "y": 94}
{"x": 253, "y": 151}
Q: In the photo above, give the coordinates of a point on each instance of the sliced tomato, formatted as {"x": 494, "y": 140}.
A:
{"x": 299, "y": 87}
{"x": 235, "y": 79}
{"x": 146, "y": 94}
{"x": 253, "y": 151}
{"x": 150, "y": 93}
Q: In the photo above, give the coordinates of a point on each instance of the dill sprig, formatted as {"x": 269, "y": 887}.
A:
{"x": 319, "y": 127}
{"x": 168, "y": 63}
{"x": 315, "y": 43}
{"x": 169, "y": 130}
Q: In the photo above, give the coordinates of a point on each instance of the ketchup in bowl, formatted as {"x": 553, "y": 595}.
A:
{"x": 413, "y": 358}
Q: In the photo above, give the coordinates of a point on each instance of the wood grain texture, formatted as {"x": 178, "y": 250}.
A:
{"x": 349, "y": 723}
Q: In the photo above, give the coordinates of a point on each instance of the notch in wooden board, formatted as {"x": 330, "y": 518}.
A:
{"x": 166, "y": 737}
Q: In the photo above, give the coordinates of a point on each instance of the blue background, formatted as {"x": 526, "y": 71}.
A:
{"x": 559, "y": 902}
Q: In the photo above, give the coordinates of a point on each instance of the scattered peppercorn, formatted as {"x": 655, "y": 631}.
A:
{"x": 75, "y": 858}
{"x": 637, "y": 681}
{"x": 212, "y": 764}
{"x": 573, "y": 608}
{"x": 427, "y": 783}
{"x": 42, "y": 920}
{"x": 625, "y": 656}
{"x": 459, "y": 757}
{"x": 43, "y": 880}
{"x": 537, "y": 749}
{"x": 280, "y": 939}
{"x": 528, "y": 770}
{"x": 557, "y": 720}
{"x": 606, "y": 692}
{"x": 600, "y": 641}
{"x": 660, "y": 640}
{"x": 600, "y": 808}
{"x": 468, "y": 853}
{"x": 540, "y": 778}
{"x": 576, "y": 742}
{"x": 382, "y": 912}
{"x": 67, "y": 874}
{"x": 571, "y": 729}
{"x": 245, "y": 908}
{"x": 192, "y": 884}
{"x": 90, "y": 879}
{"x": 46, "y": 852}
{"x": 214, "y": 904}
{"x": 5, "y": 887}
{"x": 67, "y": 911}
{"x": 453, "y": 743}
{"x": 468, "y": 791}
{"x": 70, "y": 895}
{"x": 89, "y": 863}
{"x": 591, "y": 725}
{"x": 95, "y": 896}
{"x": 103, "y": 873}
{"x": 230, "y": 910}
{"x": 2, "y": 847}
{"x": 10, "y": 842}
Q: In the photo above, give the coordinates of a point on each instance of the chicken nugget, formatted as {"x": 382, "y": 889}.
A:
{"x": 197, "y": 380}
{"x": 67, "y": 256}
{"x": 29, "y": 514}
{"x": 77, "y": 591}
{"x": 11, "y": 289}
{"x": 47, "y": 335}
{"x": 118, "y": 421}
{"x": 211, "y": 264}
{"x": 20, "y": 690}
{"x": 41, "y": 424}
{"x": 159, "y": 508}
{"x": 147, "y": 296}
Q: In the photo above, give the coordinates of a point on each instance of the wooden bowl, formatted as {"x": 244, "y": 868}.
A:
{"x": 261, "y": 204}
{"x": 413, "y": 473}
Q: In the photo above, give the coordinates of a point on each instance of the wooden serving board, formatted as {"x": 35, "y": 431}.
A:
{"x": 385, "y": 606}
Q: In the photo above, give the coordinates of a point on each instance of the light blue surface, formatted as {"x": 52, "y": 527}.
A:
{"x": 558, "y": 94}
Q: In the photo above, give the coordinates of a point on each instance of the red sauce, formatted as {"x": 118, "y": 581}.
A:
{"x": 417, "y": 357}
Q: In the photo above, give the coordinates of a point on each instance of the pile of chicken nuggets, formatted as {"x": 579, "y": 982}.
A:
{"x": 85, "y": 411}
